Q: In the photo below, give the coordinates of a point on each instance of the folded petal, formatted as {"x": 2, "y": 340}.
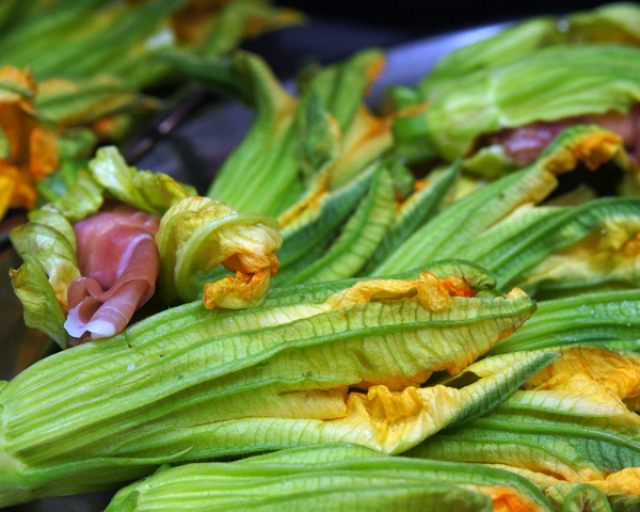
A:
{"x": 198, "y": 234}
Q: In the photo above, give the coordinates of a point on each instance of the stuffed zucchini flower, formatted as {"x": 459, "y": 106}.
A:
{"x": 90, "y": 259}
{"x": 113, "y": 252}
{"x": 200, "y": 233}
{"x": 350, "y": 361}
{"x": 503, "y": 117}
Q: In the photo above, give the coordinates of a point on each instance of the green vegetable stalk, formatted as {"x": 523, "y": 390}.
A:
{"x": 331, "y": 477}
{"x": 331, "y": 362}
{"x": 298, "y": 147}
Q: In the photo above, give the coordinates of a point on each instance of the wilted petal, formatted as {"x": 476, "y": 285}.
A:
{"x": 239, "y": 291}
{"x": 432, "y": 293}
{"x": 32, "y": 151}
{"x": 592, "y": 372}
{"x": 198, "y": 234}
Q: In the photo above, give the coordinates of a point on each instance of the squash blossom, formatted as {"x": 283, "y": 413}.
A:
{"x": 574, "y": 424}
{"x": 196, "y": 235}
{"x": 315, "y": 160}
{"x": 489, "y": 121}
{"x": 194, "y": 24}
{"x": 299, "y": 147}
{"x": 28, "y": 148}
{"x": 341, "y": 475}
{"x": 47, "y": 243}
{"x": 342, "y": 361}
{"x": 102, "y": 106}
{"x": 474, "y": 227}
{"x": 128, "y": 39}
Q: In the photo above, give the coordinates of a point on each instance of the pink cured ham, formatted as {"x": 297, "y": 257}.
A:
{"x": 119, "y": 262}
{"x": 525, "y": 144}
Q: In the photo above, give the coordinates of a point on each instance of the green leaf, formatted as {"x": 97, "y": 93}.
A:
{"x": 48, "y": 239}
{"x": 41, "y": 308}
{"x": 144, "y": 190}
{"x": 81, "y": 198}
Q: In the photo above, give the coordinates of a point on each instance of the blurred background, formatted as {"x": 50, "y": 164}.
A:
{"x": 336, "y": 28}
{"x": 430, "y": 17}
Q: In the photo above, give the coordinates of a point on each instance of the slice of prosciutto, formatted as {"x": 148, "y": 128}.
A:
{"x": 119, "y": 262}
{"x": 525, "y": 144}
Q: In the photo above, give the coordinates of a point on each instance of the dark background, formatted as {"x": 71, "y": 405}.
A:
{"x": 430, "y": 17}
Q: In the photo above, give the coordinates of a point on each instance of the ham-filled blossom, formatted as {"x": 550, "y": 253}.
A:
{"x": 119, "y": 262}
{"x": 525, "y": 144}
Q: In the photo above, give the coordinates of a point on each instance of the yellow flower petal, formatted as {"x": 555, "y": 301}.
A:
{"x": 593, "y": 149}
{"x": 43, "y": 152}
{"x": 236, "y": 292}
{"x": 199, "y": 233}
{"x": 542, "y": 480}
{"x": 6, "y": 193}
{"x": 33, "y": 150}
{"x": 506, "y": 499}
{"x": 397, "y": 419}
{"x": 613, "y": 376}
{"x": 432, "y": 293}
{"x": 23, "y": 193}
{"x": 625, "y": 482}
